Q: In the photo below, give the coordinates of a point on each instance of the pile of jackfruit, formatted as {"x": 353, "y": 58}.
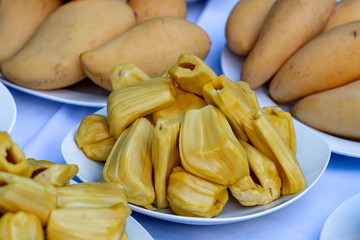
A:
{"x": 189, "y": 139}
{"x": 37, "y": 202}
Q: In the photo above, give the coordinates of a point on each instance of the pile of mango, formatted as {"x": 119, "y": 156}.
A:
{"x": 307, "y": 53}
{"x": 51, "y": 44}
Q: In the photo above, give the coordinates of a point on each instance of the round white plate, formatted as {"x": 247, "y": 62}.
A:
{"x": 84, "y": 93}
{"x": 7, "y": 109}
{"x": 313, "y": 154}
{"x": 231, "y": 65}
{"x": 344, "y": 221}
{"x": 135, "y": 231}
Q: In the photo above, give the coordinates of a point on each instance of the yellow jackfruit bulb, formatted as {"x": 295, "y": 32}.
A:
{"x": 192, "y": 196}
{"x": 191, "y": 73}
{"x": 250, "y": 193}
{"x": 209, "y": 148}
{"x": 282, "y": 122}
{"x": 264, "y": 137}
{"x": 129, "y": 163}
{"x": 93, "y": 128}
{"x": 87, "y": 223}
{"x": 93, "y": 137}
{"x": 165, "y": 156}
{"x": 232, "y": 100}
{"x": 20, "y": 226}
{"x": 126, "y": 74}
{"x": 244, "y": 86}
{"x": 184, "y": 101}
{"x": 19, "y": 193}
{"x": 54, "y": 173}
{"x": 99, "y": 151}
{"x": 12, "y": 158}
{"x": 126, "y": 104}
{"x": 91, "y": 194}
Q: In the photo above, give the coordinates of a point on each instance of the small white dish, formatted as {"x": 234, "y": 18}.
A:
{"x": 7, "y": 110}
{"x": 344, "y": 221}
{"x": 231, "y": 65}
{"x": 313, "y": 154}
{"x": 84, "y": 93}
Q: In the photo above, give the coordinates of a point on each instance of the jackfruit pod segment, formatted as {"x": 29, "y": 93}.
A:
{"x": 93, "y": 128}
{"x": 126, "y": 104}
{"x": 191, "y": 73}
{"x": 165, "y": 156}
{"x": 264, "y": 137}
{"x": 192, "y": 196}
{"x": 20, "y": 226}
{"x": 87, "y": 223}
{"x": 12, "y": 158}
{"x": 244, "y": 86}
{"x": 264, "y": 187}
{"x": 126, "y": 74}
{"x": 184, "y": 101}
{"x": 232, "y": 100}
{"x": 19, "y": 193}
{"x": 129, "y": 163}
{"x": 99, "y": 151}
{"x": 53, "y": 173}
{"x": 91, "y": 194}
{"x": 282, "y": 122}
{"x": 209, "y": 149}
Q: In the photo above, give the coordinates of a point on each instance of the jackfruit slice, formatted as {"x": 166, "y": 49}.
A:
{"x": 126, "y": 74}
{"x": 264, "y": 186}
{"x": 88, "y": 223}
{"x": 129, "y": 163}
{"x": 54, "y": 173}
{"x": 126, "y": 104}
{"x": 209, "y": 148}
{"x": 18, "y": 193}
{"x": 12, "y": 158}
{"x": 91, "y": 194}
{"x": 184, "y": 101}
{"x": 192, "y": 196}
{"x": 165, "y": 156}
{"x": 265, "y": 137}
{"x": 93, "y": 137}
{"x": 282, "y": 122}
{"x": 20, "y": 226}
{"x": 191, "y": 73}
{"x": 232, "y": 100}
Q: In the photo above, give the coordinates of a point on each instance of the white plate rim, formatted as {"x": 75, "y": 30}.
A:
{"x": 230, "y": 62}
{"x": 70, "y": 151}
{"x": 64, "y": 95}
{"x": 340, "y": 209}
{"x": 7, "y": 108}
{"x": 135, "y": 230}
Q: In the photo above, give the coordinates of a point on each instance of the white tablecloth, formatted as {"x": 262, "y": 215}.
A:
{"x": 41, "y": 126}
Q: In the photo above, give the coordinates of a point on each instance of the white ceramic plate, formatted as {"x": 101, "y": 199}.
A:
{"x": 313, "y": 155}
{"x": 135, "y": 231}
{"x": 7, "y": 109}
{"x": 344, "y": 221}
{"x": 231, "y": 65}
{"x": 84, "y": 93}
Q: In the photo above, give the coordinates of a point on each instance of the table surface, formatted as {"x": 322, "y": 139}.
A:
{"x": 41, "y": 126}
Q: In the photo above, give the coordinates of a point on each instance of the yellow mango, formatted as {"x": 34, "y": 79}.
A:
{"x": 289, "y": 25}
{"x": 50, "y": 59}
{"x": 153, "y": 45}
